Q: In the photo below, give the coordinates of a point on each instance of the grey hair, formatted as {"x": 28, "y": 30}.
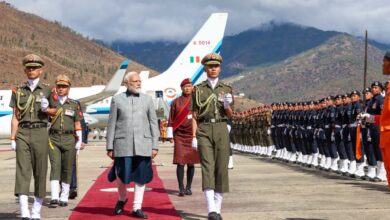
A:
{"x": 128, "y": 75}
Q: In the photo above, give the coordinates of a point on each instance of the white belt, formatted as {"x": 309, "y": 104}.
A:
{"x": 337, "y": 126}
{"x": 326, "y": 126}
{"x": 308, "y": 127}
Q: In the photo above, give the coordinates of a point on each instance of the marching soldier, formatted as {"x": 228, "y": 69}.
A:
{"x": 383, "y": 119}
{"x": 65, "y": 138}
{"x": 212, "y": 106}
{"x": 356, "y": 109}
{"x": 374, "y": 107}
{"x": 338, "y": 136}
{"x": 29, "y": 136}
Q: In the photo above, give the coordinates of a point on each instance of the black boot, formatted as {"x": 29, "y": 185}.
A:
{"x": 182, "y": 192}
{"x": 180, "y": 177}
{"x": 190, "y": 176}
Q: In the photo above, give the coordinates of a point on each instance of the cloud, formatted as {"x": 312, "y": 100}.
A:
{"x": 178, "y": 20}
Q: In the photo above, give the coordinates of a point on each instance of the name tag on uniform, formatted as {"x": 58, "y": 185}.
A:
{"x": 69, "y": 112}
{"x": 38, "y": 98}
{"x": 189, "y": 116}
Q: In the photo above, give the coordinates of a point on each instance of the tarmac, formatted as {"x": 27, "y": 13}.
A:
{"x": 261, "y": 188}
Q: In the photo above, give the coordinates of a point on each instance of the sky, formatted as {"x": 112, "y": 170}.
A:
{"x": 179, "y": 20}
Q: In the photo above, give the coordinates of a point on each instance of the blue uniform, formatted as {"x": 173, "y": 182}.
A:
{"x": 374, "y": 108}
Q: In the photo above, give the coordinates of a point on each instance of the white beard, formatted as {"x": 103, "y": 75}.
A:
{"x": 134, "y": 90}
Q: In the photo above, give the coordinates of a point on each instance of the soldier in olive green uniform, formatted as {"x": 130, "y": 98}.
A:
{"x": 29, "y": 135}
{"x": 64, "y": 140}
{"x": 212, "y": 105}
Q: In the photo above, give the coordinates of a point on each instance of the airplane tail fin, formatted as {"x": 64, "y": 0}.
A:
{"x": 188, "y": 64}
{"x": 116, "y": 81}
{"x": 111, "y": 88}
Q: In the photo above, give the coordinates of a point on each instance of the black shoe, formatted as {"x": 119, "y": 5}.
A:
{"x": 63, "y": 204}
{"x": 139, "y": 214}
{"x": 119, "y": 207}
{"x": 25, "y": 218}
{"x": 73, "y": 194}
{"x": 220, "y": 216}
{"x": 188, "y": 192}
{"x": 213, "y": 216}
{"x": 35, "y": 219}
{"x": 376, "y": 180}
{"x": 54, "y": 202}
{"x": 182, "y": 192}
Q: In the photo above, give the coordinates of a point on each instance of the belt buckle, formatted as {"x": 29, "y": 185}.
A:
{"x": 212, "y": 120}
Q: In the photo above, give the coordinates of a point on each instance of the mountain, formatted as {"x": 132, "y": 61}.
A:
{"x": 63, "y": 50}
{"x": 334, "y": 67}
{"x": 265, "y": 45}
{"x": 156, "y": 55}
{"x": 269, "y": 44}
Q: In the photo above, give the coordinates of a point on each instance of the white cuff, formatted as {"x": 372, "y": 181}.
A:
{"x": 169, "y": 132}
{"x": 79, "y": 136}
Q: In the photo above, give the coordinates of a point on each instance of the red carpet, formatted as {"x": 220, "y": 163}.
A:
{"x": 97, "y": 204}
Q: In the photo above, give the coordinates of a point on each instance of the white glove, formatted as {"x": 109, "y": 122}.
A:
{"x": 268, "y": 131}
{"x": 227, "y": 100}
{"x": 13, "y": 145}
{"x": 194, "y": 143}
{"x": 169, "y": 132}
{"x": 369, "y": 118}
{"x": 78, "y": 143}
{"x": 44, "y": 104}
{"x": 360, "y": 116}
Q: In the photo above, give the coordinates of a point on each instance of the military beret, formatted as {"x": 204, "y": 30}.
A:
{"x": 62, "y": 79}
{"x": 212, "y": 58}
{"x": 368, "y": 89}
{"x": 355, "y": 92}
{"x": 376, "y": 83}
{"x": 185, "y": 82}
{"x": 387, "y": 55}
{"x": 32, "y": 60}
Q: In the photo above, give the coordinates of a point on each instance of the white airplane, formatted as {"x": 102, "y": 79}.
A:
{"x": 163, "y": 88}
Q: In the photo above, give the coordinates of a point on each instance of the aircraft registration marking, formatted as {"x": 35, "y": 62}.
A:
{"x": 201, "y": 42}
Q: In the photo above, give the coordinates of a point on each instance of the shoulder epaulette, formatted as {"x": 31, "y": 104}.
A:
{"x": 227, "y": 85}
{"x": 73, "y": 101}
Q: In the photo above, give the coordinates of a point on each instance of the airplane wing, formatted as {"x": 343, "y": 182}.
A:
{"x": 110, "y": 89}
